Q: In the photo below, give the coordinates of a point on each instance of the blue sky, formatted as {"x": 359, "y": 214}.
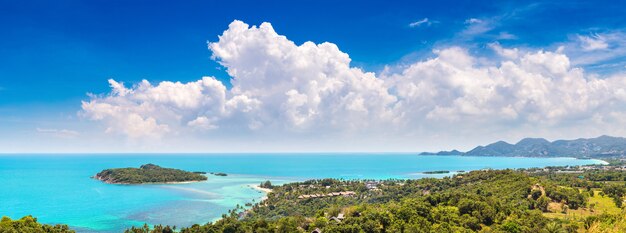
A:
{"x": 53, "y": 53}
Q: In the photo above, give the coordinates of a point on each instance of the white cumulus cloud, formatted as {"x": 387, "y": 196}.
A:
{"x": 281, "y": 88}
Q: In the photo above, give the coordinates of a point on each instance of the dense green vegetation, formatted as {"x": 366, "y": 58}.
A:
{"x": 147, "y": 173}
{"x": 30, "y": 225}
{"x": 267, "y": 184}
{"x": 570, "y": 199}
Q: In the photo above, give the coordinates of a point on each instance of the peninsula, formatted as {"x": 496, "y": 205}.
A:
{"x": 147, "y": 173}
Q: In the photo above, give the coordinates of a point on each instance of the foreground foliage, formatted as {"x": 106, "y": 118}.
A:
{"x": 30, "y": 224}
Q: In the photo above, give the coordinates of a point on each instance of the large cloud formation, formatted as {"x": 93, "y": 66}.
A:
{"x": 279, "y": 87}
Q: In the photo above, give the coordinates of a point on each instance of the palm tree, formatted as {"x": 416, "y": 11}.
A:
{"x": 554, "y": 227}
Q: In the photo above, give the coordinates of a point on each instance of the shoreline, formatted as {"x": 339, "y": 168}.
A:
{"x": 258, "y": 187}
{"x": 265, "y": 191}
{"x": 147, "y": 183}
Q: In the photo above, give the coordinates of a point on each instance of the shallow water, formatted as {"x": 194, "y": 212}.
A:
{"x": 58, "y": 188}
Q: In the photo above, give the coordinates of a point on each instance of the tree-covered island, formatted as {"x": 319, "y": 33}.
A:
{"x": 436, "y": 172}
{"x": 147, "y": 173}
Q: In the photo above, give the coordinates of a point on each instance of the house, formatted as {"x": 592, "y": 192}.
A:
{"x": 304, "y": 196}
{"x": 340, "y": 217}
{"x": 333, "y": 194}
{"x": 317, "y": 230}
{"x": 348, "y": 193}
{"x": 371, "y": 185}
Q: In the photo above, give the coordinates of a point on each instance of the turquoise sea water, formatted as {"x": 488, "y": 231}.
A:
{"x": 58, "y": 188}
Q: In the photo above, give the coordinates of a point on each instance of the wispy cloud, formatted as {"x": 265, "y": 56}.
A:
{"x": 492, "y": 27}
{"x": 594, "y": 42}
{"x": 476, "y": 27}
{"x": 63, "y": 133}
{"x": 603, "y": 52}
{"x": 473, "y": 21}
{"x": 422, "y": 22}
{"x": 506, "y": 36}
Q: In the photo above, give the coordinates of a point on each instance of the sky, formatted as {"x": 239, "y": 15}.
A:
{"x": 307, "y": 76}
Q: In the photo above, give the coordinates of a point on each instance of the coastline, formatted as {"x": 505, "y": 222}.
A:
{"x": 259, "y": 188}
{"x": 89, "y": 192}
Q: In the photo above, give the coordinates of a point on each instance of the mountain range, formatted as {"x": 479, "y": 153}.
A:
{"x": 603, "y": 146}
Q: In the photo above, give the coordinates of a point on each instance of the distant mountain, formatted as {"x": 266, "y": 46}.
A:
{"x": 452, "y": 152}
{"x": 603, "y": 146}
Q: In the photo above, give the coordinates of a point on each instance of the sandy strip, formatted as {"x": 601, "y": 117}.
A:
{"x": 257, "y": 187}
{"x": 264, "y": 190}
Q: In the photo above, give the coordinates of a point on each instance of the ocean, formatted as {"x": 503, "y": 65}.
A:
{"x": 57, "y": 188}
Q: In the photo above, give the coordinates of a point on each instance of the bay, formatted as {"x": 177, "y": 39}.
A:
{"x": 57, "y": 188}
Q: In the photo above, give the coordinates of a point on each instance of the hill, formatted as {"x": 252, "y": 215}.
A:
{"x": 452, "y": 152}
{"x": 603, "y": 146}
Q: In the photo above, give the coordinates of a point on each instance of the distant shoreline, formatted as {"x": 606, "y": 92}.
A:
{"x": 504, "y": 156}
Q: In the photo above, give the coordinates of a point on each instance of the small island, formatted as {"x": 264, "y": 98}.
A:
{"x": 219, "y": 174}
{"x": 436, "y": 172}
{"x": 147, "y": 173}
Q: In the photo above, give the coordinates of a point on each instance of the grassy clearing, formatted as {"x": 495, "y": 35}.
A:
{"x": 597, "y": 205}
{"x": 615, "y": 182}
